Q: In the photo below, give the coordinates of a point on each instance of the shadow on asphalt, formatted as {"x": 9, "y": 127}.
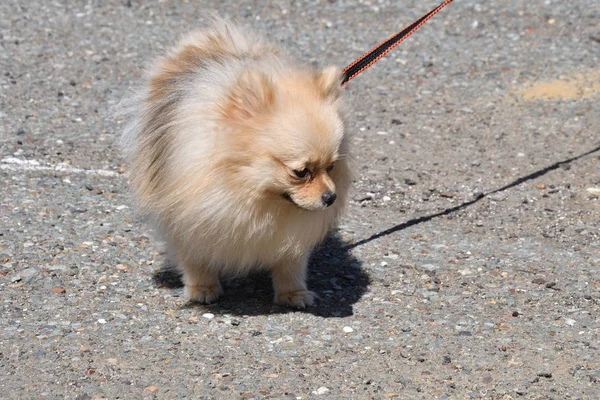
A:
{"x": 447, "y": 211}
{"x": 334, "y": 274}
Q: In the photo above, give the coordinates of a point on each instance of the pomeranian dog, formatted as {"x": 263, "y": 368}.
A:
{"x": 239, "y": 160}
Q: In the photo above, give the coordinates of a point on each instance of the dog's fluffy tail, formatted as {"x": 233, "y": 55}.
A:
{"x": 223, "y": 39}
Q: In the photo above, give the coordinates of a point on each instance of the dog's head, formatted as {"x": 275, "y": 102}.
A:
{"x": 290, "y": 131}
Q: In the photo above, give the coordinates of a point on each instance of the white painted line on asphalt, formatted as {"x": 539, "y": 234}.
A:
{"x": 22, "y": 165}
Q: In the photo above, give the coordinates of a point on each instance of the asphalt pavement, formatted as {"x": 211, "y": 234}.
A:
{"x": 467, "y": 264}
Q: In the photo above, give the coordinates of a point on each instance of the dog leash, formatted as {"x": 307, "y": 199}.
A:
{"x": 373, "y": 55}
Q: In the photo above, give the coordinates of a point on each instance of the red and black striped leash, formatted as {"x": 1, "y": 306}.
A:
{"x": 373, "y": 55}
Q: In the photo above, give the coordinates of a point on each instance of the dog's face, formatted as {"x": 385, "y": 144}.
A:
{"x": 292, "y": 133}
{"x": 311, "y": 187}
{"x": 308, "y": 155}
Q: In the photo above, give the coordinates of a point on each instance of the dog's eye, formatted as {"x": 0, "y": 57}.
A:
{"x": 331, "y": 167}
{"x": 303, "y": 173}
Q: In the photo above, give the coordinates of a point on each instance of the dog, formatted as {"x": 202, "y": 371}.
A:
{"x": 239, "y": 160}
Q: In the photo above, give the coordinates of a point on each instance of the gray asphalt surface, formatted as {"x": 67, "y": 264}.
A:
{"x": 467, "y": 265}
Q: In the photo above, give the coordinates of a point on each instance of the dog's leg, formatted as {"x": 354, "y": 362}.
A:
{"x": 201, "y": 284}
{"x": 289, "y": 281}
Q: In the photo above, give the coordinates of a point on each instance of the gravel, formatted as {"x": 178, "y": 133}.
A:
{"x": 467, "y": 265}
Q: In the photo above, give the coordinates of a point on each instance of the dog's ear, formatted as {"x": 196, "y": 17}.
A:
{"x": 251, "y": 96}
{"x": 329, "y": 82}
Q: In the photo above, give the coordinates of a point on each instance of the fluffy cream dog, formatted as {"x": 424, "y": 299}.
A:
{"x": 238, "y": 160}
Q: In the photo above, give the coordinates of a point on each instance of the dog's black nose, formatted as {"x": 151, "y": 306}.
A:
{"x": 328, "y": 198}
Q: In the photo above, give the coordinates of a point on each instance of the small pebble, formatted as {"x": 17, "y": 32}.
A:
{"x": 365, "y": 197}
{"x": 347, "y": 329}
{"x": 321, "y": 390}
{"x": 208, "y": 315}
{"x": 497, "y": 196}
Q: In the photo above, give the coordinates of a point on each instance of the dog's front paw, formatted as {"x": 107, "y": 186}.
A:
{"x": 202, "y": 294}
{"x": 296, "y": 299}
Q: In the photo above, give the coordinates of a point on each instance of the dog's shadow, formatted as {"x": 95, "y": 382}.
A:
{"x": 334, "y": 274}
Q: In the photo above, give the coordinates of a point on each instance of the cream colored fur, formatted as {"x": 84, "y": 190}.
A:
{"x": 216, "y": 141}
